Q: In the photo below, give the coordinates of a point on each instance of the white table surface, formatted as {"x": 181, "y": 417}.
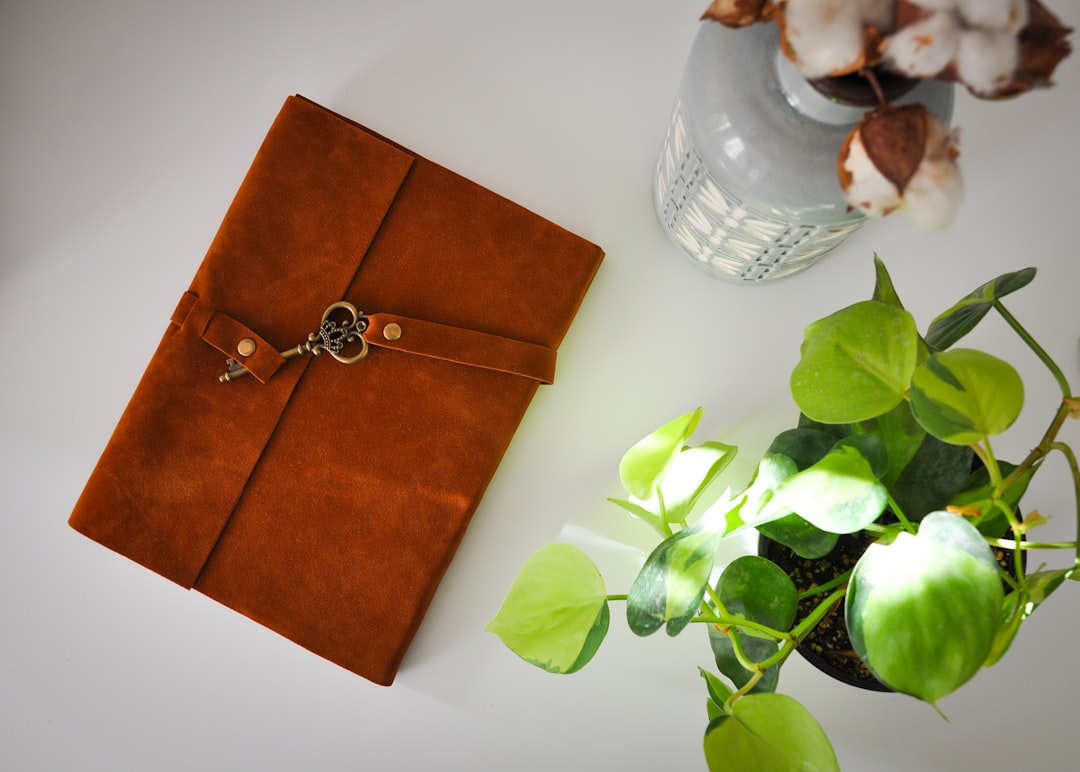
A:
{"x": 125, "y": 129}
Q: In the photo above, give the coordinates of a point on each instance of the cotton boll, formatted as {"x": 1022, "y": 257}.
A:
{"x": 986, "y": 60}
{"x": 825, "y": 36}
{"x": 933, "y": 194}
{"x": 1003, "y": 15}
{"x": 866, "y": 188}
{"x": 924, "y": 48}
{"x": 902, "y": 158}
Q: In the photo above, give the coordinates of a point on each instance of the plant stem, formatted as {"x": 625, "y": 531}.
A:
{"x": 755, "y": 676}
{"x": 1034, "y": 346}
{"x": 1039, "y": 451}
{"x": 663, "y": 514}
{"x": 1013, "y": 544}
{"x": 1074, "y": 470}
{"x": 904, "y": 522}
{"x": 802, "y": 629}
{"x": 724, "y": 621}
{"x": 810, "y": 622}
{"x": 617, "y": 597}
{"x": 834, "y": 582}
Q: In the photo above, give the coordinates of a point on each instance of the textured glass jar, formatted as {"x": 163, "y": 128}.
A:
{"x": 746, "y": 185}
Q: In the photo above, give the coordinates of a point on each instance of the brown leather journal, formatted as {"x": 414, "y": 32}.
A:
{"x": 319, "y": 493}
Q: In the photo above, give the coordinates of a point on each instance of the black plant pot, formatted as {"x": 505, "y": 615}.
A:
{"x": 828, "y": 646}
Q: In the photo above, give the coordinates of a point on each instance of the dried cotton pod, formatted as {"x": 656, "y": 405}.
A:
{"x": 739, "y": 13}
{"x": 996, "y": 48}
{"x": 902, "y": 158}
{"x": 1043, "y": 45}
{"x": 827, "y": 37}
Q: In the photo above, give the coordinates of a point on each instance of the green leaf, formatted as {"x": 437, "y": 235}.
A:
{"x": 958, "y": 321}
{"x": 856, "y": 363}
{"x": 963, "y": 396}
{"x": 838, "y": 431}
{"x": 901, "y": 435}
{"x": 555, "y": 614}
{"x": 977, "y": 492}
{"x": 756, "y": 649}
{"x": 870, "y": 447}
{"x": 645, "y": 464}
{"x": 923, "y": 612}
{"x": 839, "y": 494}
{"x": 671, "y": 584}
{"x": 932, "y": 478}
{"x": 883, "y": 285}
{"x": 1041, "y": 583}
{"x": 690, "y": 475}
{"x": 719, "y": 692}
{"x": 805, "y": 446}
{"x": 772, "y": 470}
{"x": 638, "y": 511}
{"x": 757, "y": 590}
{"x": 754, "y": 588}
{"x": 806, "y": 540}
{"x": 768, "y": 733}
{"x": 1012, "y": 616}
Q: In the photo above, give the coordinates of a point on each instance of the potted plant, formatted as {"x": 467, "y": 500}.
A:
{"x": 893, "y": 448}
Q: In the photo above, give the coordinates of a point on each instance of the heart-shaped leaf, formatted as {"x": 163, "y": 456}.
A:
{"x": 671, "y": 584}
{"x": 856, "y": 363}
{"x": 768, "y": 733}
{"x": 963, "y": 396}
{"x": 923, "y": 612}
{"x": 958, "y": 321}
{"x": 839, "y": 494}
{"x": 803, "y": 538}
{"x": 757, "y": 590}
{"x": 753, "y": 588}
{"x": 555, "y": 614}
{"x": 645, "y": 464}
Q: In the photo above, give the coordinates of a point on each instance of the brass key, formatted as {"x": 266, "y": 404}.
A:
{"x": 331, "y": 337}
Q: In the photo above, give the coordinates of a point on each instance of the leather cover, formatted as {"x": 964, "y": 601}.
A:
{"x": 320, "y": 499}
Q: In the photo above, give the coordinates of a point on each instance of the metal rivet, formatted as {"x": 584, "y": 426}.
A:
{"x": 245, "y": 347}
{"x": 392, "y": 331}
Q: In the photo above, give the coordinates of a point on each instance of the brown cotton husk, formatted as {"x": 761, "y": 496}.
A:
{"x": 1043, "y": 45}
{"x": 895, "y": 141}
{"x": 739, "y": 13}
{"x": 907, "y": 13}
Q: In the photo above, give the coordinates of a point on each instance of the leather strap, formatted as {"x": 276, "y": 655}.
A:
{"x": 455, "y": 344}
{"x": 227, "y": 335}
{"x": 390, "y": 331}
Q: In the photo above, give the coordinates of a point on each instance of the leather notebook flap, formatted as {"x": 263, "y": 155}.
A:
{"x": 185, "y": 446}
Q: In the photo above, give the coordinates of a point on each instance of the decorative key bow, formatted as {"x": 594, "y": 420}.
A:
{"x": 332, "y": 337}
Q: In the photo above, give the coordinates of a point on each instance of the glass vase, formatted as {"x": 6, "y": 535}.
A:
{"x": 746, "y": 185}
